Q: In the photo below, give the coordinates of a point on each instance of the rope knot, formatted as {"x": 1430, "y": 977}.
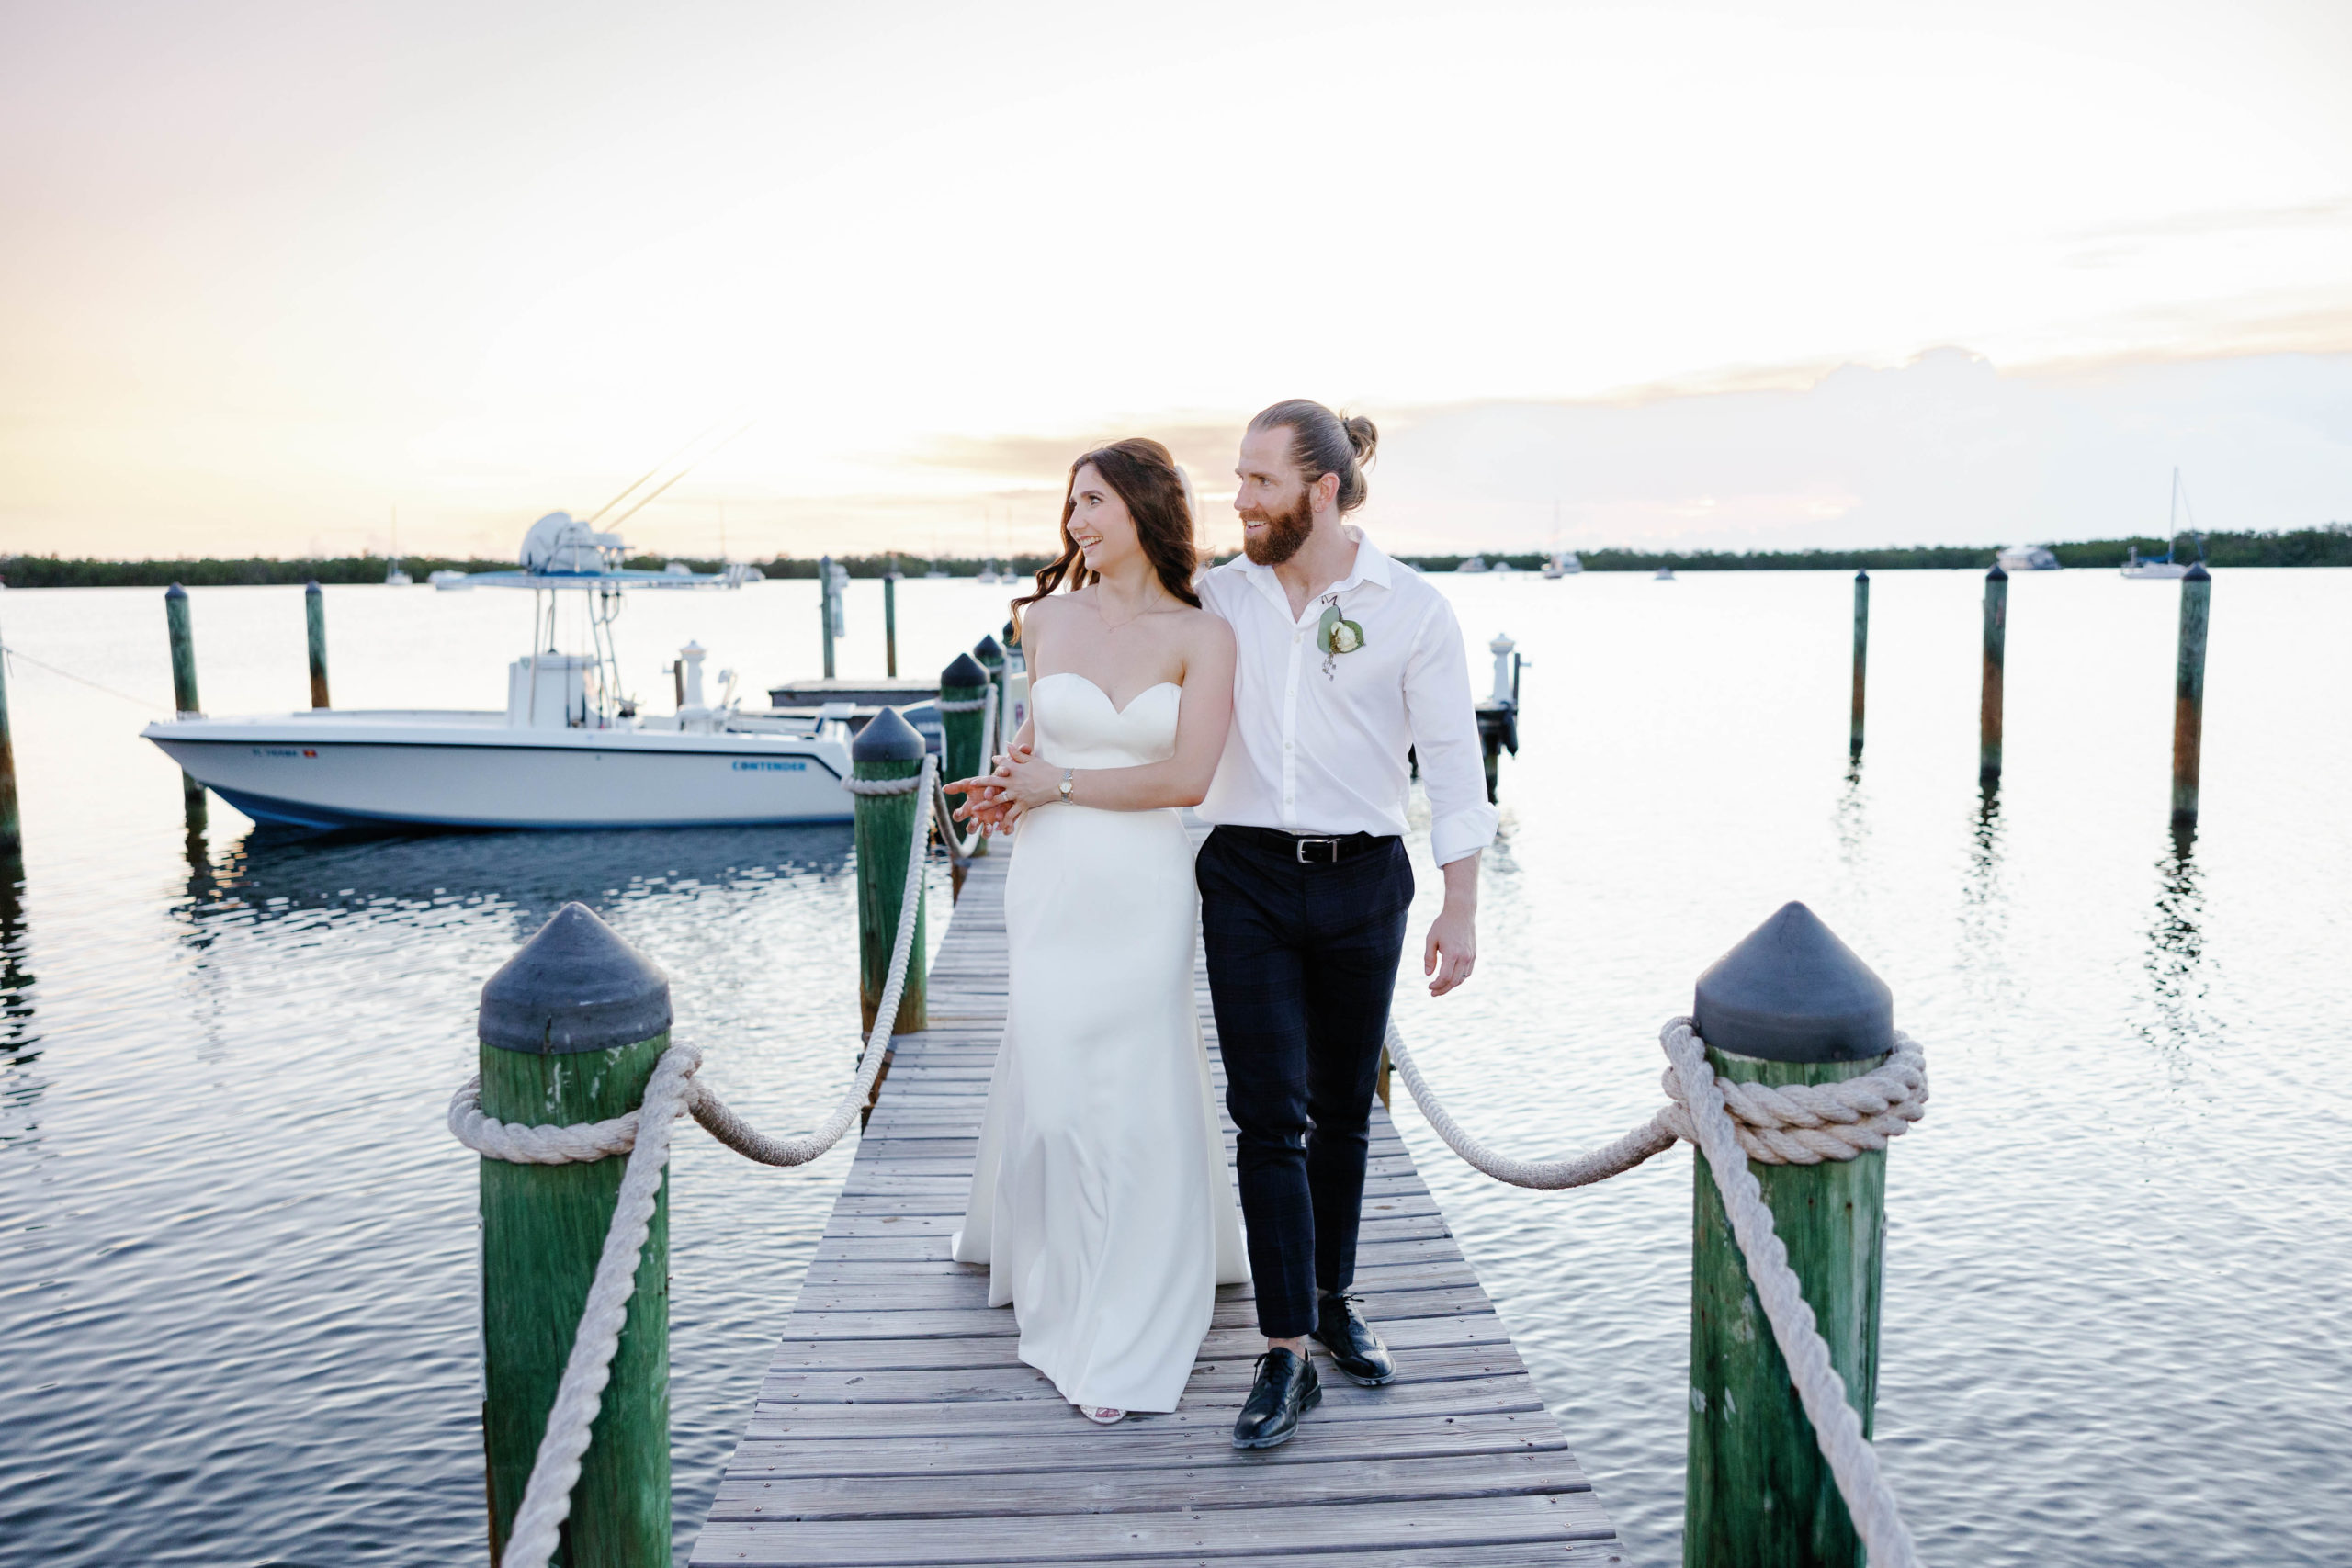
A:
{"x": 1806, "y": 1123}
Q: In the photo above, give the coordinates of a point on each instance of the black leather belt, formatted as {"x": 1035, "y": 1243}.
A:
{"x": 1308, "y": 849}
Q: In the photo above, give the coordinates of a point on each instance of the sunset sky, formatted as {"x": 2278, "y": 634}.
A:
{"x": 1721, "y": 274}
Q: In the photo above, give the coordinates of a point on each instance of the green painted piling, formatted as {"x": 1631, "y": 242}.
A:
{"x": 891, "y": 619}
{"x": 1791, "y": 1004}
{"x": 825, "y": 607}
{"x": 990, "y": 653}
{"x": 964, "y": 682}
{"x": 887, "y": 748}
{"x": 2189, "y": 693}
{"x": 177, "y": 626}
{"x": 1861, "y": 659}
{"x": 1988, "y": 705}
{"x": 571, "y": 1030}
{"x": 314, "y": 615}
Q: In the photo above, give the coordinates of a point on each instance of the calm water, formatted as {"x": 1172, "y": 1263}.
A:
{"x": 237, "y": 1302}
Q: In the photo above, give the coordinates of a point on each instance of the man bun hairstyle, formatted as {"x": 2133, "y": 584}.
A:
{"x": 1323, "y": 443}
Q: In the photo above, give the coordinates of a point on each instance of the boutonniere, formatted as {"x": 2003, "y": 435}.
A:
{"x": 1336, "y": 635}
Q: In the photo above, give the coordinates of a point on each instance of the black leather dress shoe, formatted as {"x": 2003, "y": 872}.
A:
{"x": 1286, "y": 1389}
{"x": 1354, "y": 1349}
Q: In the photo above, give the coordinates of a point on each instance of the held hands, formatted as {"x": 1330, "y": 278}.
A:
{"x": 997, "y": 801}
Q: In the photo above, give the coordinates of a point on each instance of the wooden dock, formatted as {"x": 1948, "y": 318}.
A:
{"x": 897, "y": 1425}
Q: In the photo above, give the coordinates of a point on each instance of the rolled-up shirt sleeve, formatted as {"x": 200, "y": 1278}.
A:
{"x": 1444, "y": 723}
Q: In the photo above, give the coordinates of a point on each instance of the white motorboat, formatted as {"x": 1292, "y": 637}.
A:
{"x": 571, "y": 749}
{"x": 1664, "y": 574}
{"x": 1473, "y": 563}
{"x": 2027, "y": 557}
{"x": 448, "y": 580}
{"x": 1502, "y": 565}
{"x": 2164, "y": 569}
{"x": 1563, "y": 563}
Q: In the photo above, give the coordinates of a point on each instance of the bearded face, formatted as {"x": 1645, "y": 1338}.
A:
{"x": 1284, "y": 533}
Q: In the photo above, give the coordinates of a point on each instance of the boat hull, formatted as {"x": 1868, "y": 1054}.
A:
{"x": 305, "y": 774}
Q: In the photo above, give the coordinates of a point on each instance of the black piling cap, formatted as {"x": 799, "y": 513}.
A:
{"x": 1012, "y": 635}
{"x": 1997, "y": 574}
{"x": 1862, "y": 574}
{"x": 965, "y": 671}
{"x": 175, "y": 591}
{"x": 311, "y": 586}
{"x": 576, "y": 985}
{"x": 1791, "y": 992}
{"x": 987, "y": 650}
{"x": 2196, "y": 573}
{"x": 887, "y": 738}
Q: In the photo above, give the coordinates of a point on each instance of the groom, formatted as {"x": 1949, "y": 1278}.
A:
{"x": 1347, "y": 658}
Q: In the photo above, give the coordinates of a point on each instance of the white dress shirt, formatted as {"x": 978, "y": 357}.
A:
{"x": 1317, "y": 753}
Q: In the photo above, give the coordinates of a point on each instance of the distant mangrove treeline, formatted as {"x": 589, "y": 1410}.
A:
{"x": 2328, "y": 546}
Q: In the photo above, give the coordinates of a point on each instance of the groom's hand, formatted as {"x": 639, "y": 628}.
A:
{"x": 1453, "y": 946}
{"x": 1451, "y": 949}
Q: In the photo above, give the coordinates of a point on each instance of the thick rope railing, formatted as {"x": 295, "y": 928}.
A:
{"x": 644, "y": 1135}
{"x": 1732, "y": 1123}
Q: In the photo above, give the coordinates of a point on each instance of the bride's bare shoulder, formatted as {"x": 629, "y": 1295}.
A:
{"x": 1045, "y": 612}
{"x": 1204, "y": 631}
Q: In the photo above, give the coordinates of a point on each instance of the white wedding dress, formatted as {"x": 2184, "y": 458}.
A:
{"x": 1101, "y": 1200}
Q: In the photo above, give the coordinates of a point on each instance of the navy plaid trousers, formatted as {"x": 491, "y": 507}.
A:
{"x": 1301, "y": 960}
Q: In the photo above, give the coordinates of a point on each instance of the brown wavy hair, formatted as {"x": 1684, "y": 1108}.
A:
{"x": 1146, "y": 477}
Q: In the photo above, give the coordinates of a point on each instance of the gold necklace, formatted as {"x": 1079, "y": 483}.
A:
{"x": 1114, "y": 627}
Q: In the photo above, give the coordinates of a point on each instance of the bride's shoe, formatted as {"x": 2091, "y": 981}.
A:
{"x": 1102, "y": 1414}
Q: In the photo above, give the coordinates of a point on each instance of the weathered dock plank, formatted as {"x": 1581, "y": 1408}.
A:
{"x": 898, "y": 1426}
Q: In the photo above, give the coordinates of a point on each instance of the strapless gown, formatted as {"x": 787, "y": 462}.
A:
{"x": 1101, "y": 1201}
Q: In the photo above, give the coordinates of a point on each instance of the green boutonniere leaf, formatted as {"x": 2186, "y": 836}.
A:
{"x": 1335, "y": 634}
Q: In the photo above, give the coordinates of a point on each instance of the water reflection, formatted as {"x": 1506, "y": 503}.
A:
{"x": 1852, "y": 820}
{"x": 271, "y": 875}
{"x": 1984, "y": 898}
{"x": 22, "y": 1083}
{"x": 2175, "y": 962}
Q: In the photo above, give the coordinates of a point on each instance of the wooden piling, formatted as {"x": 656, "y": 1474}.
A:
{"x": 990, "y": 653}
{"x": 891, "y": 619}
{"x": 11, "y": 830}
{"x": 315, "y": 612}
{"x": 962, "y": 733}
{"x": 887, "y": 748}
{"x": 1988, "y": 707}
{"x": 2189, "y": 693}
{"x": 1861, "y": 659}
{"x": 177, "y": 626}
{"x": 571, "y": 1030}
{"x": 825, "y": 607}
{"x": 1791, "y": 1004}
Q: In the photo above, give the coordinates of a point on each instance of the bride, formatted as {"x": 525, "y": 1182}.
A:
{"x": 1100, "y": 1201}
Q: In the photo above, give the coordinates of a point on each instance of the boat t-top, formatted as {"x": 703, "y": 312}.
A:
{"x": 571, "y": 748}
{"x": 2163, "y": 568}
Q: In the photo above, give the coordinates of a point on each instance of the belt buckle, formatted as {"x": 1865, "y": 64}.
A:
{"x": 1333, "y": 844}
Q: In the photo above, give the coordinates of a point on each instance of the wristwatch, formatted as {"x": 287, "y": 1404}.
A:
{"x": 1068, "y": 774}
